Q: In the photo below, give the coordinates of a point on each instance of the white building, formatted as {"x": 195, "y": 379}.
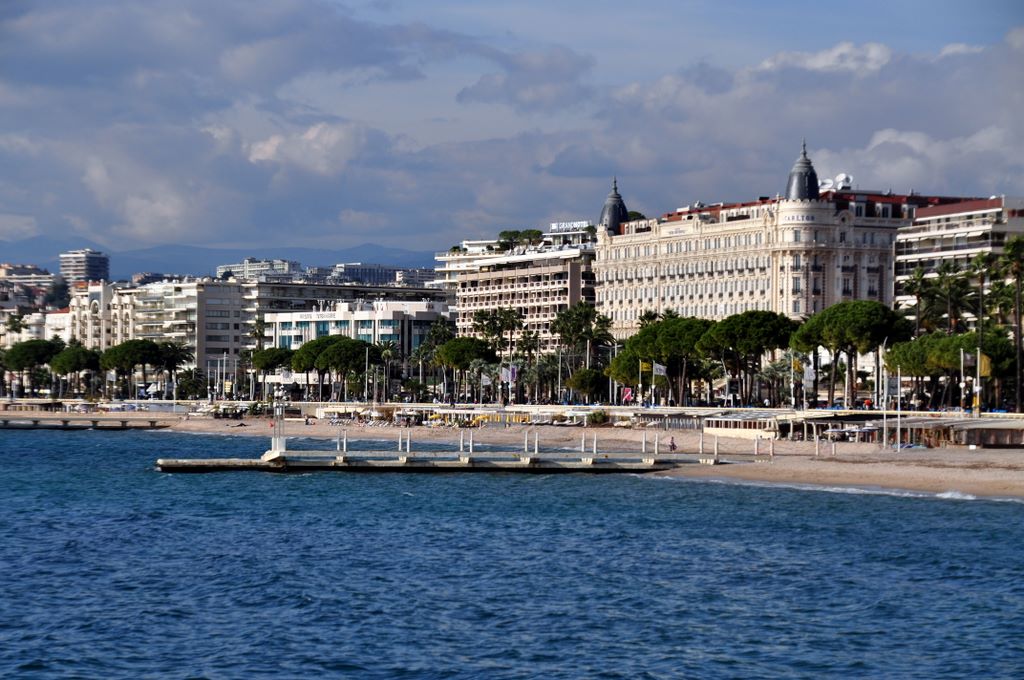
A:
{"x": 820, "y": 244}
{"x": 406, "y": 323}
{"x": 955, "y": 233}
{"x": 254, "y": 268}
{"x": 84, "y": 265}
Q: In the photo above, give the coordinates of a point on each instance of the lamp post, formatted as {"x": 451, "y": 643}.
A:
{"x": 280, "y": 400}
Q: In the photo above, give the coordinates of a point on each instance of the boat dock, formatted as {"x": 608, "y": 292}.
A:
{"x": 14, "y": 422}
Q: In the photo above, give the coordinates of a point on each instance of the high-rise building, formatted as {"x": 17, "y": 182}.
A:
{"x": 538, "y": 281}
{"x": 84, "y": 265}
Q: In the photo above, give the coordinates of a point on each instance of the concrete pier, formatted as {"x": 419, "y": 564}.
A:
{"x": 15, "y": 422}
{"x": 386, "y": 461}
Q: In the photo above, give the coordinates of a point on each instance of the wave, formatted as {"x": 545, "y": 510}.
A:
{"x": 952, "y": 495}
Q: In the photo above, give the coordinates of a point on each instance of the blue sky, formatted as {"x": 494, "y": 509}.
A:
{"x": 415, "y": 124}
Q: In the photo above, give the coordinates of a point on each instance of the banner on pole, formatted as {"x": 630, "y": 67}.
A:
{"x": 658, "y": 369}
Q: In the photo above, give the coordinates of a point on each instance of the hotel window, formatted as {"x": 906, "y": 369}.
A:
{"x": 796, "y": 236}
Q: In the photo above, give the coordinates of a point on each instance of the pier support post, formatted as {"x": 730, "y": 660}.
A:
{"x": 657, "y": 445}
{"x": 535, "y": 445}
{"x": 757, "y": 446}
{"x": 595, "y": 445}
{"x": 344, "y": 441}
{"x": 583, "y": 443}
{"x": 716, "y": 446}
{"x": 399, "y": 440}
{"x": 408, "y": 441}
{"x": 771, "y": 448}
{"x": 643, "y": 446}
{"x": 462, "y": 439}
{"x": 833, "y": 448}
{"x": 471, "y": 442}
{"x": 701, "y": 449}
{"x": 526, "y": 442}
{"x": 817, "y": 447}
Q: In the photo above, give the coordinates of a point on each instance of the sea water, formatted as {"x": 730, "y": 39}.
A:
{"x": 112, "y": 569}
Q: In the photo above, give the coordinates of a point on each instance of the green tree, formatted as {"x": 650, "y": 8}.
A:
{"x": 348, "y": 359}
{"x": 304, "y": 360}
{"x": 858, "y": 327}
{"x": 1012, "y": 262}
{"x": 27, "y": 356}
{"x": 582, "y": 330}
{"x": 587, "y": 381}
{"x": 72, "y": 361}
{"x": 173, "y": 356}
{"x": 457, "y": 354}
{"x": 740, "y": 342}
{"x": 259, "y": 332}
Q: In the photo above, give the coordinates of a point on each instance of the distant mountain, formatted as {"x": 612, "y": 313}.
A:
{"x": 199, "y": 261}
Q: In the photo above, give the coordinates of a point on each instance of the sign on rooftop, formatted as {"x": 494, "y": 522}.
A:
{"x": 568, "y": 226}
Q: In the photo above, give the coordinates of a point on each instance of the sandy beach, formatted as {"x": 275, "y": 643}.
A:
{"x": 982, "y": 472}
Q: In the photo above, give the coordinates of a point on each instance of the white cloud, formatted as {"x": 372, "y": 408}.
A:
{"x": 322, "y": 148}
{"x": 957, "y": 49}
{"x": 845, "y": 56}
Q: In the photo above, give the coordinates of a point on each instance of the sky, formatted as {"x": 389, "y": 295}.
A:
{"x": 326, "y": 123}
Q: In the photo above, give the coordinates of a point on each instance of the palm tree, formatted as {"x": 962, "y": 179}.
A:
{"x": 1013, "y": 262}
{"x": 388, "y": 353}
{"x": 920, "y": 287}
{"x": 647, "y": 317}
{"x": 172, "y": 357}
{"x": 953, "y": 290}
{"x": 258, "y": 332}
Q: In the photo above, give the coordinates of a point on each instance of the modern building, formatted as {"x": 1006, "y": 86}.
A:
{"x": 26, "y": 275}
{"x": 252, "y": 268}
{"x": 365, "y": 273}
{"x": 407, "y": 324}
{"x": 819, "y": 244}
{"x": 954, "y": 233}
{"x": 84, "y": 265}
{"x": 415, "y": 277}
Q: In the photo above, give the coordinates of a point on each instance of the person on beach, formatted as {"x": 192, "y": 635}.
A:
{"x": 672, "y": 444}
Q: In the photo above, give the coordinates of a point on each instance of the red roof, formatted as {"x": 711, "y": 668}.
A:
{"x": 962, "y": 207}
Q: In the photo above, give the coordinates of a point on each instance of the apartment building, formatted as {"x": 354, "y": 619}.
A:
{"x": 254, "y": 268}
{"x": 954, "y": 233}
{"x": 84, "y": 265}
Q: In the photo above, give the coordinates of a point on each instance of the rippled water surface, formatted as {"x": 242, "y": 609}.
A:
{"x": 112, "y": 569}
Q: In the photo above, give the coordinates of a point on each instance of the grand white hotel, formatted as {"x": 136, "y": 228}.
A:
{"x": 796, "y": 254}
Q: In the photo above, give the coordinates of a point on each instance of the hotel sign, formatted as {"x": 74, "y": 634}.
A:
{"x": 799, "y": 218}
{"x": 557, "y": 227}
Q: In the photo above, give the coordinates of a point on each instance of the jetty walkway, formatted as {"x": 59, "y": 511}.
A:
{"x": 14, "y": 421}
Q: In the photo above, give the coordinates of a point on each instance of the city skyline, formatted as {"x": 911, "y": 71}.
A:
{"x": 132, "y": 126}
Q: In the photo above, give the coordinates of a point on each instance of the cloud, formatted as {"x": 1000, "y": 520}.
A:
{"x": 16, "y": 227}
{"x": 323, "y": 148}
{"x": 956, "y": 49}
{"x": 845, "y": 56}
{"x": 189, "y": 121}
{"x": 539, "y": 80}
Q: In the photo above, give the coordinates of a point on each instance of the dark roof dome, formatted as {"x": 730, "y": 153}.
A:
{"x": 614, "y": 212}
{"x": 803, "y": 180}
